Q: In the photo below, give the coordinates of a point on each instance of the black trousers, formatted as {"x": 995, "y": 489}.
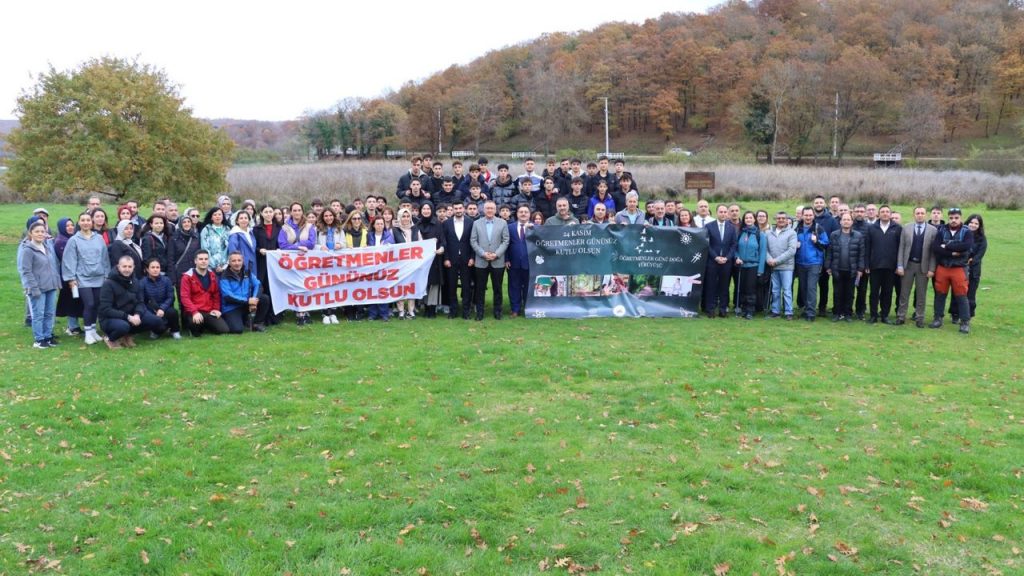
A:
{"x": 459, "y": 274}
{"x": 823, "y": 296}
{"x": 716, "y": 287}
{"x": 170, "y": 321}
{"x": 860, "y": 297}
{"x": 210, "y": 324}
{"x": 842, "y": 281}
{"x": 496, "y": 275}
{"x": 239, "y": 317}
{"x": 883, "y": 282}
{"x": 116, "y": 328}
{"x": 747, "y": 288}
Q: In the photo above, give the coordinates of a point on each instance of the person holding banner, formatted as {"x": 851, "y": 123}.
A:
{"x": 489, "y": 240}
{"x": 518, "y": 261}
{"x": 404, "y": 232}
{"x": 632, "y": 213}
{"x": 563, "y": 216}
{"x": 330, "y": 236}
{"x": 379, "y": 236}
{"x": 722, "y": 238}
{"x": 298, "y": 233}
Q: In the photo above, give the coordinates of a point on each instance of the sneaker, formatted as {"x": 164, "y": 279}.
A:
{"x": 52, "y": 341}
{"x": 334, "y": 319}
{"x": 41, "y": 344}
{"x": 965, "y": 328}
{"x": 412, "y": 315}
{"x": 401, "y": 315}
{"x": 176, "y": 335}
{"x": 114, "y": 345}
{"x": 937, "y": 323}
{"x": 327, "y": 319}
{"x": 91, "y": 337}
{"x": 154, "y": 336}
{"x": 73, "y": 331}
{"x": 788, "y": 317}
{"x": 773, "y": 315}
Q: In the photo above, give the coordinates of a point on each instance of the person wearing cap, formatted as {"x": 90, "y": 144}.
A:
{"x": 37, "y": 267}
{"x": 952, "y": 248}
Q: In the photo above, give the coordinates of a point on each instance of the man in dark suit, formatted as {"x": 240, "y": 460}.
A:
{"x": 489, "y": 239}
{"x": 518, "y": 261}
{"x": 722, "y": 238}
{"x": 883, "y": 243}
{"x": 458, "y": 259}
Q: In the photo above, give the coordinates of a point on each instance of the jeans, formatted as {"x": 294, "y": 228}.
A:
{"x": 808, "y": 276}
{"x": 44, "y": 309}
{"x": 782, "y": 285}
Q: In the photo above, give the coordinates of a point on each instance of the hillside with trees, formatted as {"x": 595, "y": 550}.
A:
{"x": 778, "y": 76}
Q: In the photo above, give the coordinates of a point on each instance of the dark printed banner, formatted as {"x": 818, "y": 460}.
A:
{"x": 617, "y": 270}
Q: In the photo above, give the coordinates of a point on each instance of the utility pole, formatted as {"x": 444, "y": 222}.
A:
{"x": 438, "y": 130}
{"x": 606, "y": 148}
{"x": 835, "y": 132}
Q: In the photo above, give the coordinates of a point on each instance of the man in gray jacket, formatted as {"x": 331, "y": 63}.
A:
{"x": 489, "y": 240}
{"x": 782, "y": 246}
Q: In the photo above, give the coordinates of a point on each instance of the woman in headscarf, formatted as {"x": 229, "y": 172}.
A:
{"x": 403, "y": 232}
{"x": 67, "y": 305}
{"x": 37, "y": 266}
{"x": 125, "y": 246}
{"x": 214, "y": 239}
{"x": 430, "y": 229}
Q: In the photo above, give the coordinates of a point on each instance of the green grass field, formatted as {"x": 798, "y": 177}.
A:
{"x": 519, "y": 447}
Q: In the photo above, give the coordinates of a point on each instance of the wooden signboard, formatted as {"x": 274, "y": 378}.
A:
{"x": 699, "y": 181}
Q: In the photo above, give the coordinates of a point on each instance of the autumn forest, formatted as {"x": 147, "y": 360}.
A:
{"x": 789, "y": 77}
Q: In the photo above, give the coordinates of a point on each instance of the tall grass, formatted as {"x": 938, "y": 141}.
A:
{"x": 351, "y": 178}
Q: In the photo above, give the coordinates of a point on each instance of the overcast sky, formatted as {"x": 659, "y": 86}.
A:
{"x": 243, "y": 60}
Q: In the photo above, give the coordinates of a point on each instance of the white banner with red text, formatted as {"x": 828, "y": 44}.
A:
{"x": 314, "y": 280}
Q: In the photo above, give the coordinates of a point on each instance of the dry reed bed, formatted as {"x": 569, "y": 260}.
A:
{"x": 348, "y": 179}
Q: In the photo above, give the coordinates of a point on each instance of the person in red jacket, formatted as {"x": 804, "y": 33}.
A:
{"x": 200, "y": 298}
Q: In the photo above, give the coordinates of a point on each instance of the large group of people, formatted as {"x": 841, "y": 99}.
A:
{"x": 207, "y": 272}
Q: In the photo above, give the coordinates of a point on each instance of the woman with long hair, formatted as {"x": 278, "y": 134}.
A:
{"x": 403, "y": 232}
{"x": 99, "y": 225}
{"x": 158, "y": 297}
{"x": 84, "y": 268}
{"x": 67, "y": 305}
{"x": 976, "y": 224}
{"x": 355, "y": 230}
{"x": 379, "y": 235}
{"x": 330, "y": 237}
{"x": 266, "y": 232}
{"x": 156, "y": 243}
{"x": 430, "y": 228}
{"x": 537, "y": 217}
{"x": 213, "y": 237}
{"x": 764, "y": 281}
{"x": 388, "y": 214}
{"x": 684, "y": 218}
{"x": 298, "y": 233}
{"x": 751, "y": 253}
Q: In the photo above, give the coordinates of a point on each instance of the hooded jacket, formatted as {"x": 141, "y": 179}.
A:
{"x": 37, "y": 266}
{"x": 120, "y": 297}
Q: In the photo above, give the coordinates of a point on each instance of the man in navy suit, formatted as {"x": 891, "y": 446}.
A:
{"x": 517, "y": 260}
{"x": 458, "y": 259}
{"x": 722, "y": 238}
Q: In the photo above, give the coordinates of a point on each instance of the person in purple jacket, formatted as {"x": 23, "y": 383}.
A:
{"x": 297, "y": 234}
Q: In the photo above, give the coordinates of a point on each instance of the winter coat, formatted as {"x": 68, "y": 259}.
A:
{"x": 37, "y": 266}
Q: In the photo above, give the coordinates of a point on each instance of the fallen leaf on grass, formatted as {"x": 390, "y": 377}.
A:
{"x": 845, "y": 549}
{"x": 144, "y": 557}
{"x": 139, "y": 531}
{"x": 973, "y": 504}
{"x": 722, "y": 569}
{"x": 408, "y": 528}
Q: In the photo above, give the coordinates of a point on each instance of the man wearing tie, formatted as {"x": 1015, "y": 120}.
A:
{"x": 489, "y": 240}
{"x": 518, "y": 262}
{"x": 722, "y": 239}
{"x": 915, "y": 265}
{"x": 458, "y": 259}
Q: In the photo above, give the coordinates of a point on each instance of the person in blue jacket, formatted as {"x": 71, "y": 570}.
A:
{"x": 158, "y": 296}
{"x": 812, "y": 240}
{"x": 240, "y": 299}
{"x": 242, "y": 240}
{"x": 751, "y": 253}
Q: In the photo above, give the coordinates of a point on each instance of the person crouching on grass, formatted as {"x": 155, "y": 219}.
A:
{"x": 200, "y": 298}
{"x": 241, "y": 301}
{"x": 158, "y": 296}
{"x": 122, "y": 311}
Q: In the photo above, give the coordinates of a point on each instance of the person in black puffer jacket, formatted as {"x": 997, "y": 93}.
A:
{"x": 845, "y": 263}
{"x": 122, "y": 311}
